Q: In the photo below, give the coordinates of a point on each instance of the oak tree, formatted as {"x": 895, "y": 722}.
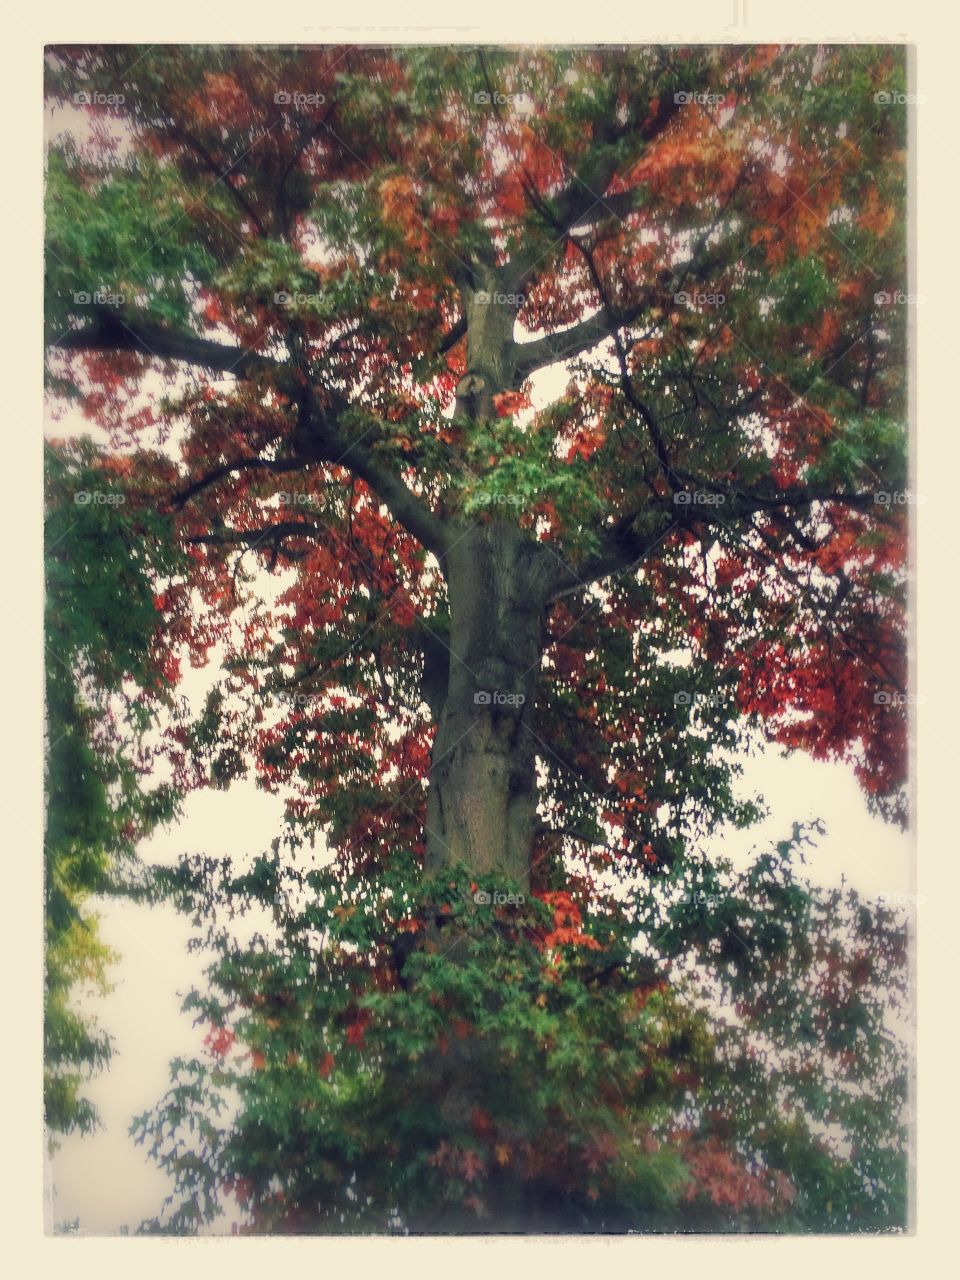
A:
{"x": 563, "y": 395}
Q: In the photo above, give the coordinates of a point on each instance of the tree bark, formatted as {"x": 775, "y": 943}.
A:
{"x": 482, "y": 803}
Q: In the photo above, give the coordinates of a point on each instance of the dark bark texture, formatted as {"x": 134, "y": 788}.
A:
{"x": 482, "y": 806}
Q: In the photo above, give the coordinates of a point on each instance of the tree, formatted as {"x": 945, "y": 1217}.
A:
{"x": 356, "y": 270}
{"x": 101, "y": 703}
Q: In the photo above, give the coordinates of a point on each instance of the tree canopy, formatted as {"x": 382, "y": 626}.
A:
{"x": 521, "y": 434}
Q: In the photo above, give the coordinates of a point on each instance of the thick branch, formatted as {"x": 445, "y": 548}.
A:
{"x": 319, "y": 433}
{"x": 564, "y": 346}
{"x": 623, "y": 549}
{"x": 113, "y": 332}
{"x": 406, "y": 508}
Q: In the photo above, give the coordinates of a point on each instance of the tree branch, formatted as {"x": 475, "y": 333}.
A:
{"x": 270, "y": 537}
{"x": 117, "y": 332}
{"x": 624, "y": 549}
{"x": 319, "y": 440}
{"x": 570, "y": 342}
{"x": 586, "y": 191}
{"x": 180, "y": 499}
{"x": 221, "y": 174}
{"x": 328, "y": 445}
{"x": 450, "y": 340}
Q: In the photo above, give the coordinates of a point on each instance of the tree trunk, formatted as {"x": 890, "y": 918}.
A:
{"x": 482, "y": 803}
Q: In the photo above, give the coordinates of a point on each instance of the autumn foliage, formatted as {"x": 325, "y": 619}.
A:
{"x": 363, "y": 336}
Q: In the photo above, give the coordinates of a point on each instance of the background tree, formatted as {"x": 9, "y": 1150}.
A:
{"x": 102, "y": 701}
{"x": 521, "y": 646}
